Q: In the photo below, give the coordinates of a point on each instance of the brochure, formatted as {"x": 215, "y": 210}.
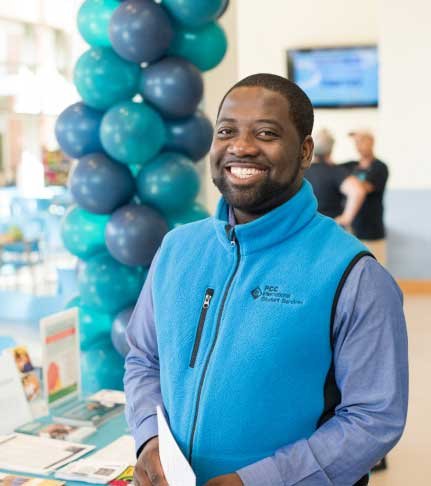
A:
{"x": 60, "y": 356}
{"x": 87, "y": 413}
{"x": 121, "y": 451}
{"x": 14, "y": 406}
{"x": 89, "y": 471}
{"x": 31, "y": 379}
{"x": 12, "y": 480}
{"x": 56, "y": 431}
{"x": 109, "y": 396}
{"x": 38, "y": 455}
{"x": 125, "y": 478}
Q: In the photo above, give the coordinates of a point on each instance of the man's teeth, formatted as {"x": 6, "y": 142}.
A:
{"x": 245, "y": 172}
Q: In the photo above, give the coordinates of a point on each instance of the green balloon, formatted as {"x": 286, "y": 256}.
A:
{"x": 193, "y": 213}
{"x": 93, "y": 21}
{"x": 103, "y": 78}
{"x": 93, "y": 324}
{"x": 108, "y": 286}
{"x": 83, "y": 233}
{"x": 204, "y": 47}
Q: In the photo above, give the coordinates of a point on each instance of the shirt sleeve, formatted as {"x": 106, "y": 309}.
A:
{"x": 377, "y": 175}
{"x": 142, "y": 375}
{"x": 371, "y": 371}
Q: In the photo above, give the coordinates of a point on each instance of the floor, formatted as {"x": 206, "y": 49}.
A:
{"x": 409, "y": 464}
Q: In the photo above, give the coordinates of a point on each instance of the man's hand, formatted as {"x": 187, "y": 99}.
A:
{"x": 148, "y": 469}
{"x": 225, "y": 480}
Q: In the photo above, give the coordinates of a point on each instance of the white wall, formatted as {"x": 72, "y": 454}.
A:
{"x": 267, "y": 29}
{"x": 405, "y": 128}
{"x": 264, "y": 30}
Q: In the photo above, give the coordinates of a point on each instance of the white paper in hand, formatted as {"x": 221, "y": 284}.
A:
{"x": 178, "y": 471}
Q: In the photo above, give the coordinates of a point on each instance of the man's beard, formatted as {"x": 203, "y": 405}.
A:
{"x": 258, "y": 198}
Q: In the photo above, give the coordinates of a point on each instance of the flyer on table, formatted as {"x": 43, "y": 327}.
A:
{"x": 60, "y": 356}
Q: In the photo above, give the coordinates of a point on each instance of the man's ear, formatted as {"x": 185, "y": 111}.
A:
{"x": 307, "y": 152}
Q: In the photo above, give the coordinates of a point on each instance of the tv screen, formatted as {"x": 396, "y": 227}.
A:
{"x": 339, "y": 77}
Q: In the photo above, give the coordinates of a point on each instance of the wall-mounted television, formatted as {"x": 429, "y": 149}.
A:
{"x": 336, "y": 77}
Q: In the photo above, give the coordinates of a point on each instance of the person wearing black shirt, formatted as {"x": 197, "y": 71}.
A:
{"x": 368, "y": 224}
{"x": 339, "y": 194}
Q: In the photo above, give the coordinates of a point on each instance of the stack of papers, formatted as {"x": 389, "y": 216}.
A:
{"x": 88, "y": 471}
{"x": 38, "y": 455}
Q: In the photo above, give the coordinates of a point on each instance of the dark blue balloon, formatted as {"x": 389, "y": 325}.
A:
{"x": 173, "y": 85}
{"x": 140, "y": 31}
{"x": 191, "y": 136}
{"x": 101, "y": 185}
{"x": 77, "y": 130}
{"x": 134, "y": 233}
{"x": 118, "y": 331}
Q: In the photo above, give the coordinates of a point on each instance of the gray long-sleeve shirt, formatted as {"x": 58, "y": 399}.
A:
{"x": 371, "y": 371}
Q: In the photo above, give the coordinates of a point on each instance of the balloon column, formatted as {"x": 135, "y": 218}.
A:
{"x": 137, "y": 134}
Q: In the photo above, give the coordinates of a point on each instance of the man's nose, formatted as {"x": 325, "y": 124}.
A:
{"x": 243, "y": 146}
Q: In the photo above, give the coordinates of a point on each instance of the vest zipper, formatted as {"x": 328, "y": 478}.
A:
{"x": 234, "y": 243}
{"x": 205, "y": 306}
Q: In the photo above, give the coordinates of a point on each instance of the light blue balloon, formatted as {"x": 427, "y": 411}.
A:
{"x": 93, "y": 324}
{"x": 132, "y": 133}
{"x": 93, "y": 21}
{"x": 205, "y": 47}
{"x": 101, "y": 367}
{"x": 108, "y": 286}
{"x": 103, "y": 78}
{"x": 194, "y": 13}
{"x": 83, "y": 233}
{"x": 193, "y": 213}
{"x": 169, "y": 183}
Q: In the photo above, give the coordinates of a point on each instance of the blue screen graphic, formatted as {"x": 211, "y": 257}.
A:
{"x": 336, "y": 77}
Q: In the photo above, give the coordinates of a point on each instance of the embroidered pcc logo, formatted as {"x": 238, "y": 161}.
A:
{"x": 272, "y": 293}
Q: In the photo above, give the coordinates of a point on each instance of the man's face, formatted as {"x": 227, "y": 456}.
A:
{"x": 364, "y": 144}
{"x": 257, "y": 157}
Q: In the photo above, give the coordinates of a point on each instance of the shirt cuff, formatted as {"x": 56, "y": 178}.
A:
{"x": 261, "y": 473}
{"x": 145, "y": 431}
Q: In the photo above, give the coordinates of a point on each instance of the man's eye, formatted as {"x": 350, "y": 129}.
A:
{"x": 224, "y": 131}
{"x": 267, "y": 134}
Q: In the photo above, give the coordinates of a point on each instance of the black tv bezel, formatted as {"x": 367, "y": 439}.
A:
{"x": 336, "y": 106}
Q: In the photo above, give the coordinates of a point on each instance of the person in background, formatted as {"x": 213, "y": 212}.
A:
{"x": 373, "y": 174}
{"x": 339, "y": 195}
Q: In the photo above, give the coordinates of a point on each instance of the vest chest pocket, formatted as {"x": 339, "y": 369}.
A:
{"x": 203, "y": 313}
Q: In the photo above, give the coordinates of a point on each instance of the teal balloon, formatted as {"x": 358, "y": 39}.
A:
{"x": 169, "y": 183}
{"x": 188, "y": 215}
{"x": 93, "y": 324}
{"x": 103, "y": 78}
{"x": 194, "y": 13}
{"x": 205, "y": 47}
{"x": 83, "y": 233}
{"x": 93, "y": 21}
{"x": 101, "y": 367}
{"x": 107, "y": 285}
{"x": 132, "y": 133}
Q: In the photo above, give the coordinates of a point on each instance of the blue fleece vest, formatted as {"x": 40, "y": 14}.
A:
{"x": 243, "y": 322}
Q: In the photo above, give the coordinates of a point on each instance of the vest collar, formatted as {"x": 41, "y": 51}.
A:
{"x": 271, "y": 228}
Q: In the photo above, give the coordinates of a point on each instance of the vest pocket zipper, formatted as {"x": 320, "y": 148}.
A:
{"x": 204, "y": 309}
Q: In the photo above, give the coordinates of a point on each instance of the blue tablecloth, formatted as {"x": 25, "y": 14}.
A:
{"x": 105, "y": 434}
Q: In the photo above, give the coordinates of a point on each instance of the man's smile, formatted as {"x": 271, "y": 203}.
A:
{"x": 244, "y": 173}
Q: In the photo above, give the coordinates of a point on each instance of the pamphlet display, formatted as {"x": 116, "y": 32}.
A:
{"x": 60, "y": 356}
{"x": 14, "y": 406}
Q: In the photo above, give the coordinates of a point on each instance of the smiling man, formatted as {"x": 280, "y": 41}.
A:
{"x": 274, "y": 341}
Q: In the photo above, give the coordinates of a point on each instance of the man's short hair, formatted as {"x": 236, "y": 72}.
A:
{"x": 300, "y": 107}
